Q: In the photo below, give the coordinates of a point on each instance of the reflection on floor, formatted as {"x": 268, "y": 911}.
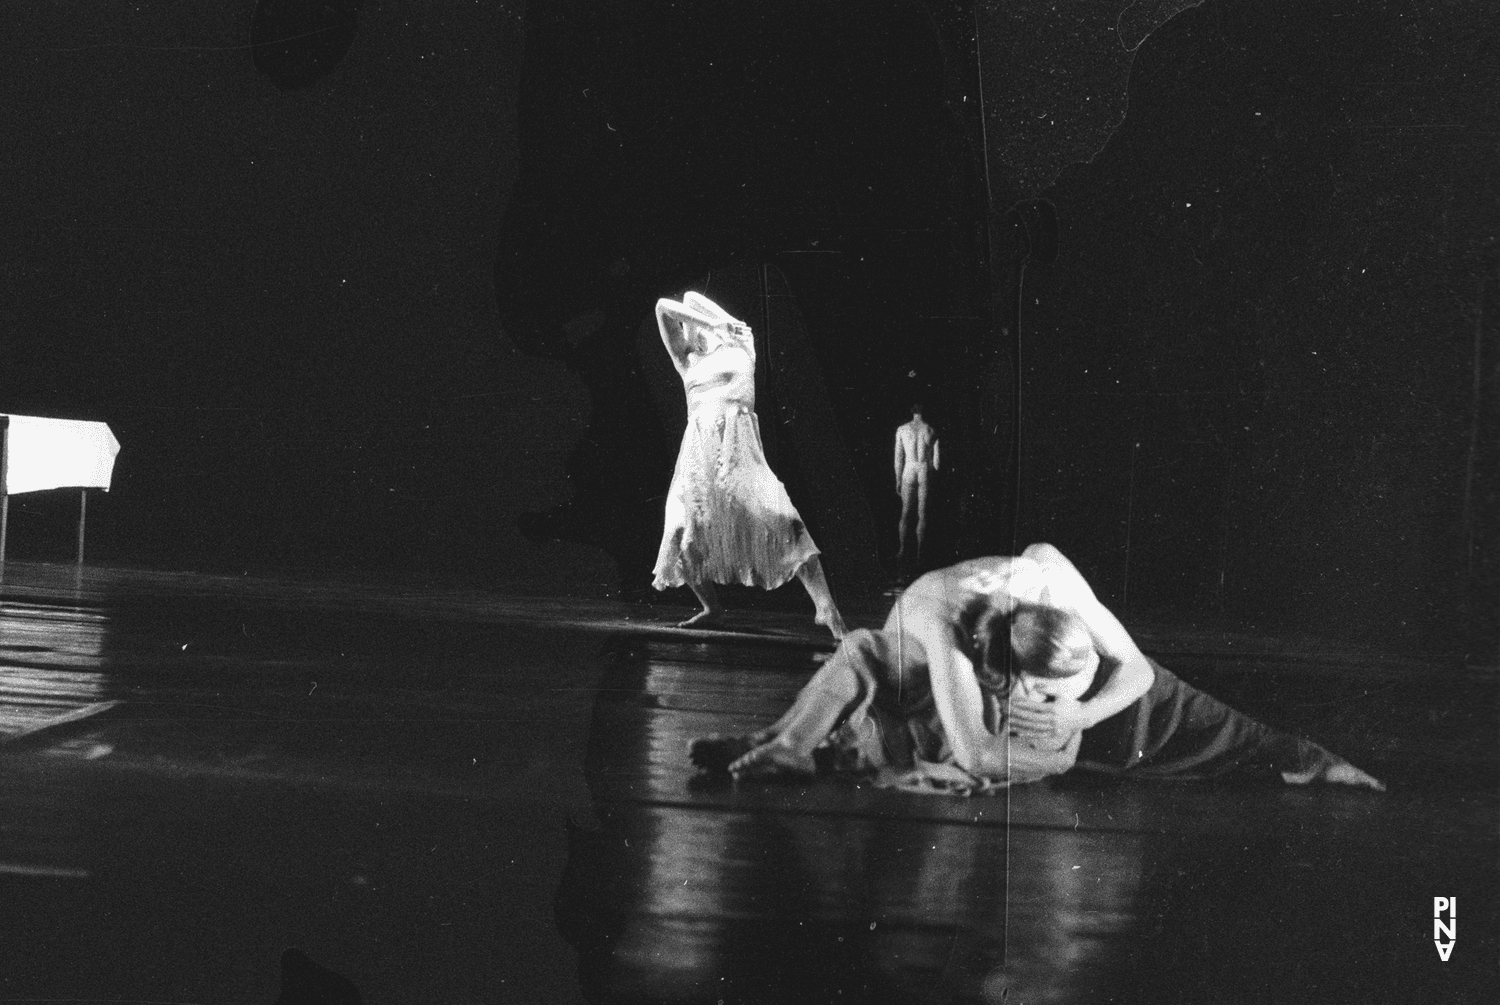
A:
{"x": 45, "y": 656}
{"x": 451, "y": 796}
{"x": 1068, "y": 891}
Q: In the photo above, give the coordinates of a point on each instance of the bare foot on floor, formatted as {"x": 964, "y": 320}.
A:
{"x": 703, "y": 619}
{"x": 773, "y": 760}
{"x": 716, "y": 753}
{"x": 1338, "y": 772}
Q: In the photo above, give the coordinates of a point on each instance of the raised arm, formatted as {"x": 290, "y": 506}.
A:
{"x": 670, "y": 316}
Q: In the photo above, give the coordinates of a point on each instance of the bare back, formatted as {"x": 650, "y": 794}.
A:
{"x": 960, "y": 592}
{"x": 917, "y": 451}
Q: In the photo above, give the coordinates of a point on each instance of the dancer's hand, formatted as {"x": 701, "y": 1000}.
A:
{"x": 1046, "y": 724}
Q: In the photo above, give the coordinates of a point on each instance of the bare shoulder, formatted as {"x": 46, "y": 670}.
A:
{"x": 1046, "y": 554}
{"x": 973, "y": 577}
{"x": 1055, "y": 562}
{"x": 1062, "y": 576}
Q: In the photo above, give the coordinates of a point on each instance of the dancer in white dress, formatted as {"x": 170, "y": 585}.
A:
{"x": 728, "y": 517}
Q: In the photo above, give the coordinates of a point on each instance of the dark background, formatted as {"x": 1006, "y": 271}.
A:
{"x": 362, "y": 287}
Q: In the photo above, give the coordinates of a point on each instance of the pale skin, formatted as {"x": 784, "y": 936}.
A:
{"x": 1044, "y": 709}
{"x": 1043, "y": 712}
{"x": 918, "y": 454}
{"x": 927, "y": 612}
{"x": 691, "y": 336}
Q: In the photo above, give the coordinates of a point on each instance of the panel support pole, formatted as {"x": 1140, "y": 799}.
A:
{"x": 83, "y": 508}
{"x": 4, "y": 481}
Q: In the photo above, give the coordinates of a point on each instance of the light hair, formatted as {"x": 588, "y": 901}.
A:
{"x": 1050, "y": 641}
{"x": 1044, "y": 641}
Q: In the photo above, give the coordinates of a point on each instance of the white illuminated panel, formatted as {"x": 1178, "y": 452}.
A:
{"x": 58, "y": 453}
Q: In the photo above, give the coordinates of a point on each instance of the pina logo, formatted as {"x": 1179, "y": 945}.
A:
{"x": 1444, "y": 929}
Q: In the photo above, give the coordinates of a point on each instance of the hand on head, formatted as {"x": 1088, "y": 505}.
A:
{"x": 705, "y": 325}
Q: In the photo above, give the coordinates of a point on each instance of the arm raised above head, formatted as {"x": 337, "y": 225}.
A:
{"x": 670, "y": 317}
{"x": 725, "y": 326}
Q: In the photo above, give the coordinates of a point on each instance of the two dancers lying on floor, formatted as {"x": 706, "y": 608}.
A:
{"x": 1000, "y": 671}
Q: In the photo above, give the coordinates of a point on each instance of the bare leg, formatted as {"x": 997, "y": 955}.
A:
{"x": 776, "y": 728}
{"x": 786, "y": 747}
{"x": 921, "y": 514}
{"x": 712, "y": 609}
{"x": 788, "y": 751}
{"x": 903, "y": 529}
{"x": 718, "y": 752}
{"x": 812, "y": 578}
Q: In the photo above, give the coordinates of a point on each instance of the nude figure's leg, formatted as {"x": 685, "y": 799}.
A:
{"x": 712, "y": 609}
{"x": 921, "y": 514}
{"x": 812, "y": 578}
{"x": 909, "y": 528}
{"x": 909, "y": 501}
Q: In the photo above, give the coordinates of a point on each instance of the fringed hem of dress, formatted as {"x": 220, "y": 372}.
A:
{"x": 771, "y": 566}
{"x": 728, "y": 518}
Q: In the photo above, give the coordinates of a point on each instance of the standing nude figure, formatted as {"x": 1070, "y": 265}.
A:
{"x": 728, "y": 517}
{"x": 917, "y": 456}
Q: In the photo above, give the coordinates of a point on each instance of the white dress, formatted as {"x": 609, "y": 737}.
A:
{"x": 728, "y": 517}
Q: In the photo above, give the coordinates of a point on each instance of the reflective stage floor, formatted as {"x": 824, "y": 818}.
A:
{"x": 449, "y": 796}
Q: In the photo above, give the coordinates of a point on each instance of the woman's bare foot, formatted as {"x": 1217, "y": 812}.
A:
{"x": 773, "y": 760}
{"x": 1336, "y": 772}
{"x": 715, "y": 754}
{"x": 703, "y": 619}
